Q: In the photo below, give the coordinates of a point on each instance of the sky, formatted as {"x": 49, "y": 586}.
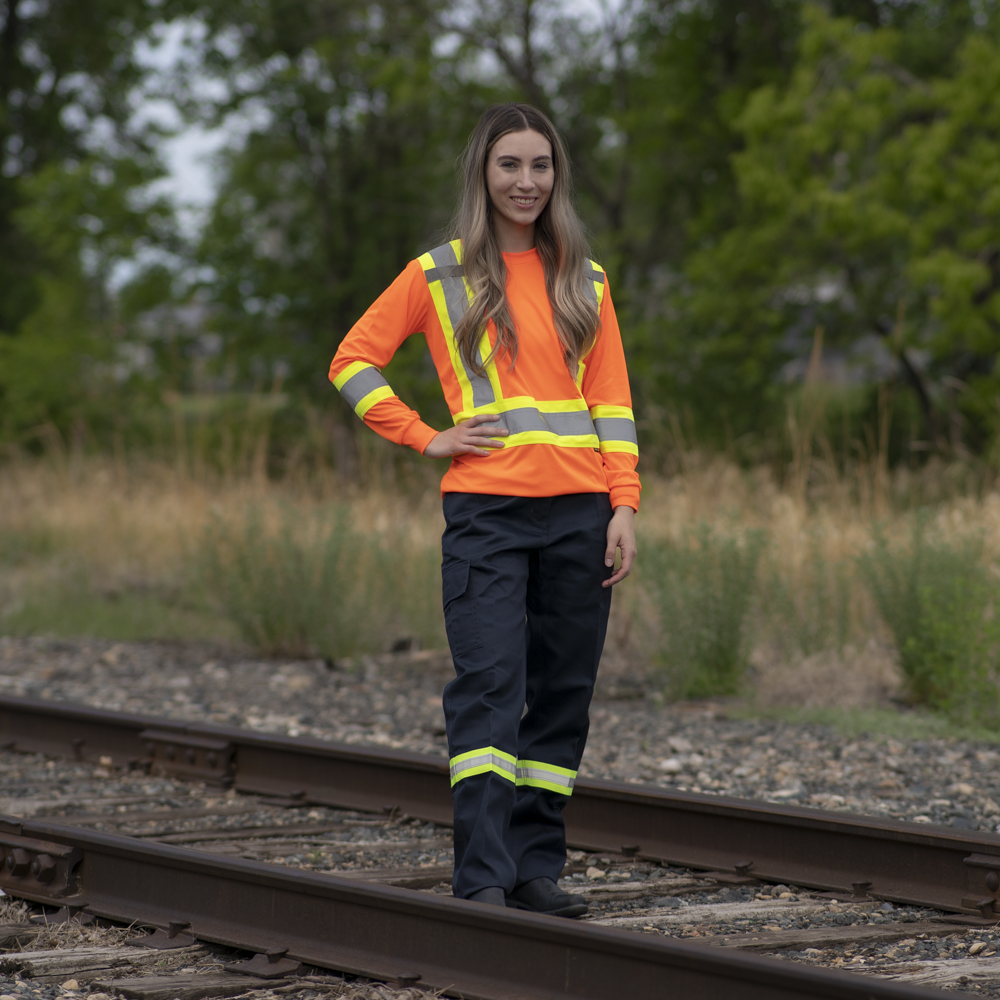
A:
{"x": 190, "y": 182}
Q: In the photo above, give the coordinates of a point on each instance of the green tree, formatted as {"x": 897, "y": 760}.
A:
{"x": 868, "y": 205}
{"x": 345, "y": 174}
{"x": 65, "y": 362}
{"x": 74, "y": 166}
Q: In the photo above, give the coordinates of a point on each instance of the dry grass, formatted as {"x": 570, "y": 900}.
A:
{"x": 122, "y": 532}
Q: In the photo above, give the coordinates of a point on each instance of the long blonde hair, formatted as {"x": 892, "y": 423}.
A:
{"x": 559, "y": 239}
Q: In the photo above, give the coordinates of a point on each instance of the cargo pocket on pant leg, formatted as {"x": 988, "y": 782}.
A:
{"x": 460, "y": 618}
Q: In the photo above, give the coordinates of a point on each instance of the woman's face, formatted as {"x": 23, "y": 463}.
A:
{"x": 519, "y": 178}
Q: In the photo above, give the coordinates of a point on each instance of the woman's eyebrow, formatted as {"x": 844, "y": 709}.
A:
{"x": 513, "y": 156}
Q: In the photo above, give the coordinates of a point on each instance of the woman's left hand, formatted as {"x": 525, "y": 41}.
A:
{"x": 621, "y": 535}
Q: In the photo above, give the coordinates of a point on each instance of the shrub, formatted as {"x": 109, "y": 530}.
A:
{"x": 312, "y": 585}
{"x": 703, "y": 588}
{"x": 940, "y": 602}
{"x": 808, "y": 611}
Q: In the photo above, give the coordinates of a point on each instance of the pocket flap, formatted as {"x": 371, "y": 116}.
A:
{"x": 454, "y": 580}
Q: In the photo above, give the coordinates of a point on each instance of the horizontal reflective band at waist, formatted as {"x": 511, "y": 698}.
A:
{"x": 358, "y": 386}
{"x": 615, "y": 429}
{"x": 529, "y": 418}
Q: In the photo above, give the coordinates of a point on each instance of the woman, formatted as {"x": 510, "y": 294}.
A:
{"x": 540, "y": 494}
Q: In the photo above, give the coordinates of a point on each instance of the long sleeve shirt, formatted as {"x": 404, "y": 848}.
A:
{"x": 568, "y": 432}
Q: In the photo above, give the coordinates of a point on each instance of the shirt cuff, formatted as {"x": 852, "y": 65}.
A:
{"x": 418, "y": 435}
{"x": 625, "y": 496}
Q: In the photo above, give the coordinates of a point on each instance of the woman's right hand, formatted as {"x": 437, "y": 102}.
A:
{"x": 471, "y": 437}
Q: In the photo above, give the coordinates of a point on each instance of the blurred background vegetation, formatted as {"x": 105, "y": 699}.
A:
{"x": 798, "y": 205}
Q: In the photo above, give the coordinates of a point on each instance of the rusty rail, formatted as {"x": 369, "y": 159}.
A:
{"x": 469, "y": 950}
{"x": 957, "y": 871}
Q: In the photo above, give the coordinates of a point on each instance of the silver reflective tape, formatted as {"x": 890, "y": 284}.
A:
{"x": 528, "y": 418}
{"x": 449, "y": 272}
{"x": 438, "y": 273}
{"x": 485, "y": 759}
{"x": 589, "y": 277}
{"x": 615, "y": 429}
{"x": 544, "y": 774}
{"x": 358, "y": 386}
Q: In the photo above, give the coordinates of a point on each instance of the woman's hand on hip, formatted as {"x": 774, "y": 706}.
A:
{"x": 621, "y": 536}
{"x": 471, "y": 437}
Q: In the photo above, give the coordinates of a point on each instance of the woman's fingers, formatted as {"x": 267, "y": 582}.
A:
{"x": 621, "y": 537}
{"x": 476, "y": 436}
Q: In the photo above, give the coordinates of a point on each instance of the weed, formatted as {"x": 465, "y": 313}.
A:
{"x": 310, "y": 585}
{"x": 703, "y": 587}
{"x": 941, "y": 604}
{"x": 806, "y": 611}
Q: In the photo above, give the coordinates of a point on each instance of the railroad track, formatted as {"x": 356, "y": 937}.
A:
{"x": 392, "y": 933}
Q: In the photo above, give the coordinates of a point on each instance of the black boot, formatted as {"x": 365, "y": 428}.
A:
{"x": 492, "y": 894}
{"x": 543, "y": 896}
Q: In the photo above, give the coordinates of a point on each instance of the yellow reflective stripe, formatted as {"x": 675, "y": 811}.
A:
{"x": 580, "y": 369}
{"x": 622, "y": 446}
{"x": 362, "y": 386}
{"x": 565, "y": 423}
{"x": 612, "y": 411}
{"x": 375, "y": 396}
{"x": 441, "y": 306}
{"x": 451, "y": 294}
{"x": 522, "y": 402}
{"x": 538, "y": 774}
{"x": 482, "y": 761}
{"x": 349, "y": 372}
{"x": 597, "y": 285}
{"x": 546, "y": 437}
{"x": 615, "y": 426}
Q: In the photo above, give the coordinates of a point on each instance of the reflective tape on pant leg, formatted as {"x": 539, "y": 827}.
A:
{"x": 540, "y": 775}
{"x": 480, "y": 761}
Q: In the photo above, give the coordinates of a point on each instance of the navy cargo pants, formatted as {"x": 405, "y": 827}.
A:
{"x": 526, "y": 617}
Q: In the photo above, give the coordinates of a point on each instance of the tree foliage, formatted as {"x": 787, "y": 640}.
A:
{"x": 869, "y": 204}
{"x": 749, "y": 170}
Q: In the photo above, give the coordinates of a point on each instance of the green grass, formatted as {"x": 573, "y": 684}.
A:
{"x": 69, "y": 613}
{"x": 312, "y": 585}
{"x": 884, "y": 723}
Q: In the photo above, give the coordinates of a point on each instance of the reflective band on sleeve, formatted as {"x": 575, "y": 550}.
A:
{"x": 480, "y": 761}
{"x": 540, "y": 775}
{"x": 362, "y": 386}
{"x": 615, "y": 426}
{"x": 615, "y": 429}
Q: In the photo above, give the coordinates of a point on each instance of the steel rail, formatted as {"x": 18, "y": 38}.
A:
{"x": 957, "y": 871}
{"x": 466, "y": 949}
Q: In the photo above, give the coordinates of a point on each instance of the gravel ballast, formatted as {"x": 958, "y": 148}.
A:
{"x": 395, "y": 701}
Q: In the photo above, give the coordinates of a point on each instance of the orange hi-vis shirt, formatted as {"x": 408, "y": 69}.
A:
{"x": 567, "y": 435}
